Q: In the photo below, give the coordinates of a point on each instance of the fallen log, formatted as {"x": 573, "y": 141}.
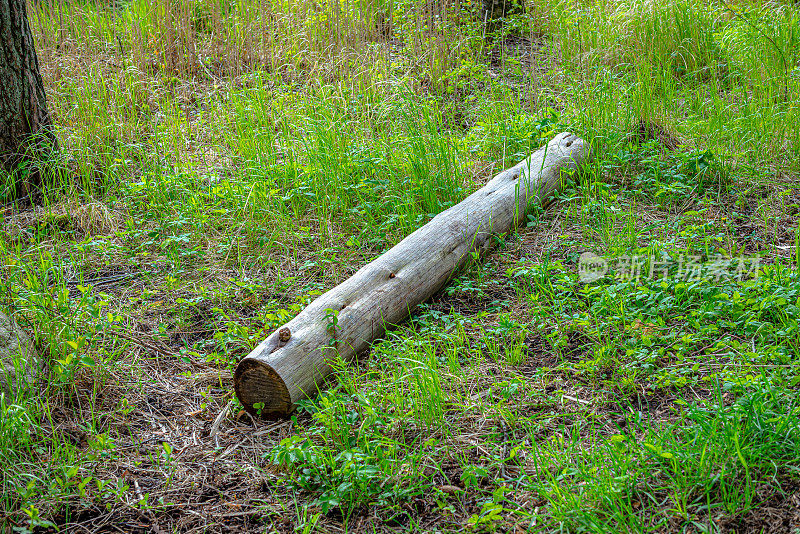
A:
{"x": 293, "y": 361}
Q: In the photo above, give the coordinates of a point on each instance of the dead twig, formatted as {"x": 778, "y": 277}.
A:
{"x": 218, "y": 421}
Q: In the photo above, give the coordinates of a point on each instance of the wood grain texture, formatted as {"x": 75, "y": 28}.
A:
{"x": 293, "y": 361}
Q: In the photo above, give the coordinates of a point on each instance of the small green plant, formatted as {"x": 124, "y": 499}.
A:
{"x": 332, "y": 319}
{"x": 353, "y": 470}
{"x": 492, "y": 512}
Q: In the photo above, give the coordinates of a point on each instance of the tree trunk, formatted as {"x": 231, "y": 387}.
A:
{"x": 292, "y": 362}
{"x": 26, "y": 136}
{"x": 495, "y": 9}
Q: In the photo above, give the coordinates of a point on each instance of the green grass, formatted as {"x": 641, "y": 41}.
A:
{"x": 224, "y": 163}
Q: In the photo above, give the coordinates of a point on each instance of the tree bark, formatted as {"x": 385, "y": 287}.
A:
{"x": 26, "y": 136}
{"x": 294, "y": 360}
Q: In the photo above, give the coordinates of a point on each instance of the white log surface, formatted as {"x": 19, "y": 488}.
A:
{"x": 293, "y": 361}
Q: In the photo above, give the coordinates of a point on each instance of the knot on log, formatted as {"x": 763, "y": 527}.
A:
{"x": 284, "y": 334}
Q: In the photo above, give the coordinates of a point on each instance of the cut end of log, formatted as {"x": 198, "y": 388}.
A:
{"x": 261, "y": 390}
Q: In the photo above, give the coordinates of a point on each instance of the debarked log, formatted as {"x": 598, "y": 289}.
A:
{"x": 294, "y": 360}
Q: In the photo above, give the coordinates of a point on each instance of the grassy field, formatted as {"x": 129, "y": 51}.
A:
{"x": 227, "y": 161}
